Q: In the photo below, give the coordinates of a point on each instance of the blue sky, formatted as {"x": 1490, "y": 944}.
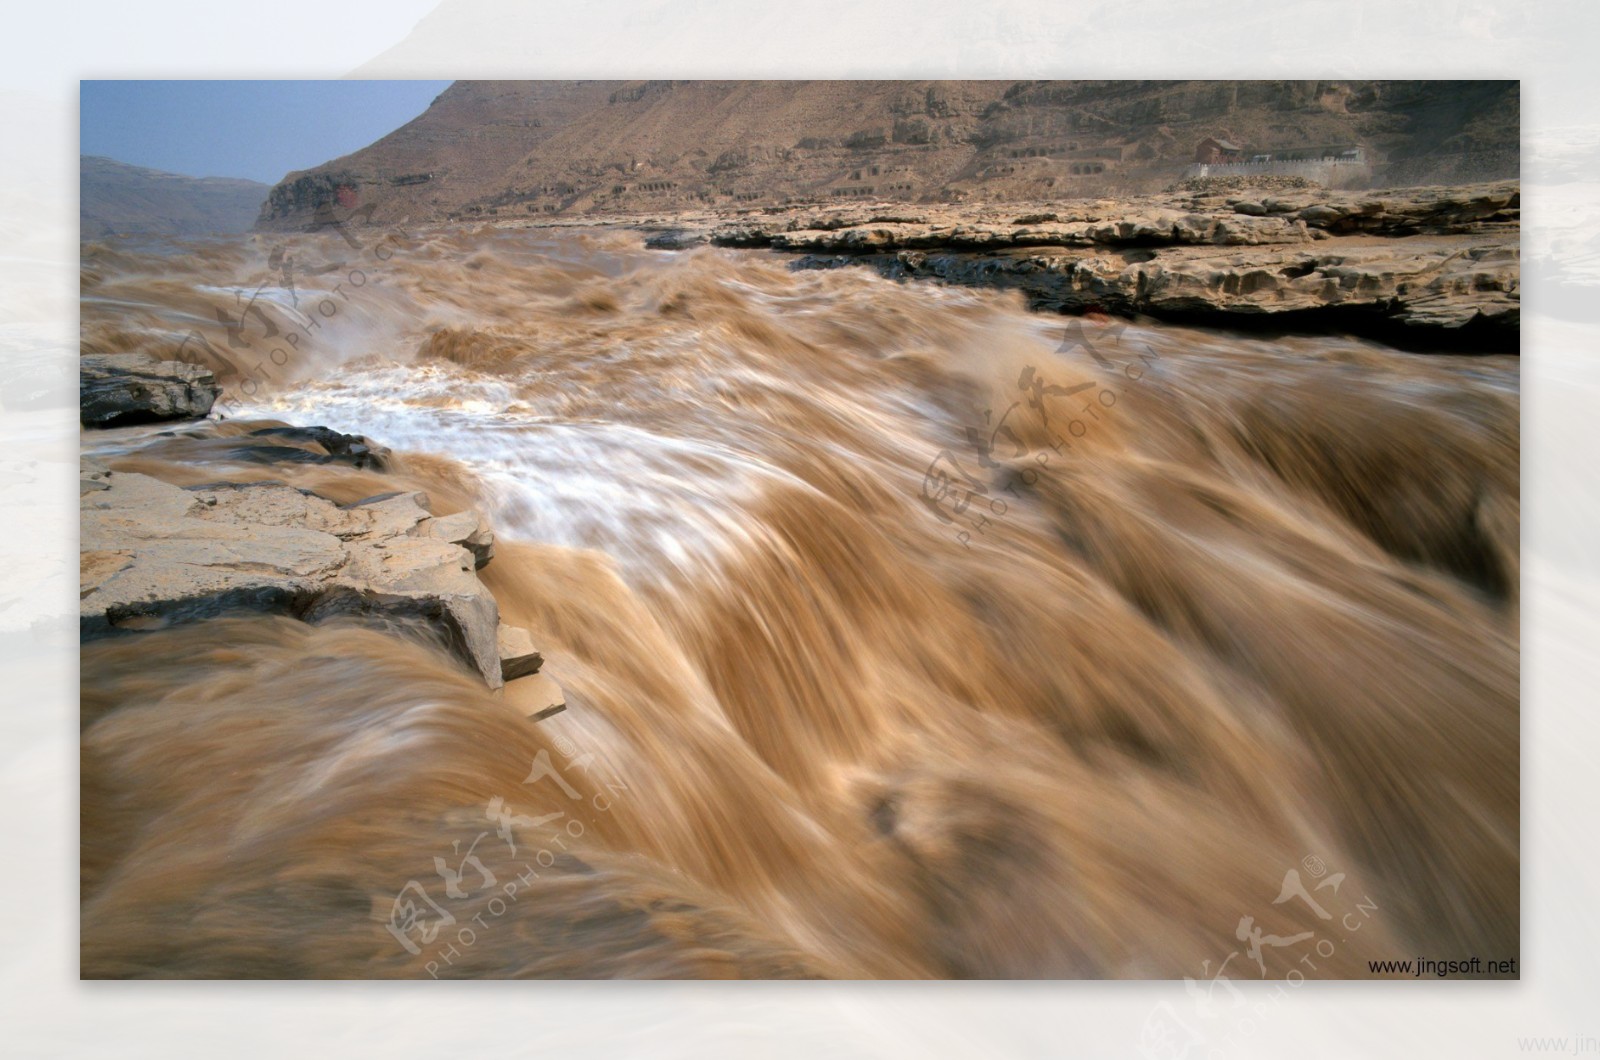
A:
{"x": 256, "y": 129}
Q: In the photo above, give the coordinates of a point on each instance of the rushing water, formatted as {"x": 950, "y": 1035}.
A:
{"x": 904, "y": 633}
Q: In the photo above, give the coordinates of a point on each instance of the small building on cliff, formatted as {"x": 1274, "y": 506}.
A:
{"x": 1212, "y": 151}
{"x": 1331, "y": 165}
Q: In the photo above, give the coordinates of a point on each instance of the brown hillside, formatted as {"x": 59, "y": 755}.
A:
{"x": 116, "y": 199}
{"x": 502, "y": 148}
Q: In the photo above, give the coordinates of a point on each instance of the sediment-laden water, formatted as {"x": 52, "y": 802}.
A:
{"x": 904, "y": 633}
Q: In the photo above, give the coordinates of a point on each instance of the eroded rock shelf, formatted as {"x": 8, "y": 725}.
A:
{"x": 1427, "y": 267}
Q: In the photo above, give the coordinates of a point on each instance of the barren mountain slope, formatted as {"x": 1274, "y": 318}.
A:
{"x": 502, "y": 148}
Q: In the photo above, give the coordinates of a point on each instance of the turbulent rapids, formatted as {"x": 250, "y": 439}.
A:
{"x": 904, "y": 633}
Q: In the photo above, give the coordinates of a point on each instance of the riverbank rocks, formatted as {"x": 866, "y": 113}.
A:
{"x": 310, "y": 445}
{"x": 1459, "y": 290}
{"x": 467, "y": 530}
{"x": 154, "y": 555}
{"x": 122, "y": 389}
{"x": 1435, "y": 267}
{"x": 518, "y": 657}
{"x": 1195, "y": 219}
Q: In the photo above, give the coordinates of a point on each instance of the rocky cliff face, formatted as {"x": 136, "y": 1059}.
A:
{"x": 596, "y": 148}
{"x": 116, "y": 199}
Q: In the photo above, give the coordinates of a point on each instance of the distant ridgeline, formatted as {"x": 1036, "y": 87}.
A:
{"x": 116, "y": 199}
{"x": 496, "y": 149}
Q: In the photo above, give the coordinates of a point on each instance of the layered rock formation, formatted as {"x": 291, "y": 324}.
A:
{"x": 1247, "y": 216}
{"x": 1428, "y": 265}
{"x": 155, "y": 554}
{"x": 119, "y": 389}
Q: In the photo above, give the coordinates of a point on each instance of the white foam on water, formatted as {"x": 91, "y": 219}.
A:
{"x": 657, "y": 502}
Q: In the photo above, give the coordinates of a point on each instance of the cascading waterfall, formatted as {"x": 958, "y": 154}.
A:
{"x": 904, "y": 633}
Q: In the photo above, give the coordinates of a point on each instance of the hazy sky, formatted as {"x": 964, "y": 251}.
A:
{"x": 256, "y": 129}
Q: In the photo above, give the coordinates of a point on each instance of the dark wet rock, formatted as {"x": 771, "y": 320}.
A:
{"x": 675, "y": 240}
{"x": 337, "y": 448}
{"x": 123, "y": 389}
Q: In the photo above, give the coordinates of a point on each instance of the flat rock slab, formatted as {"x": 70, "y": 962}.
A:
{"x": 467, "y": 529}
{"x": 122, "y": 389}
{"x": 518, "y": 656}
{"x": 154, "y": 555}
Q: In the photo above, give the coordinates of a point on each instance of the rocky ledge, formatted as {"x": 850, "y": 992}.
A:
{"x": 154, "y": 555}
{"x": 121, "y": 389}
{"x": 1435, "y": 266}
